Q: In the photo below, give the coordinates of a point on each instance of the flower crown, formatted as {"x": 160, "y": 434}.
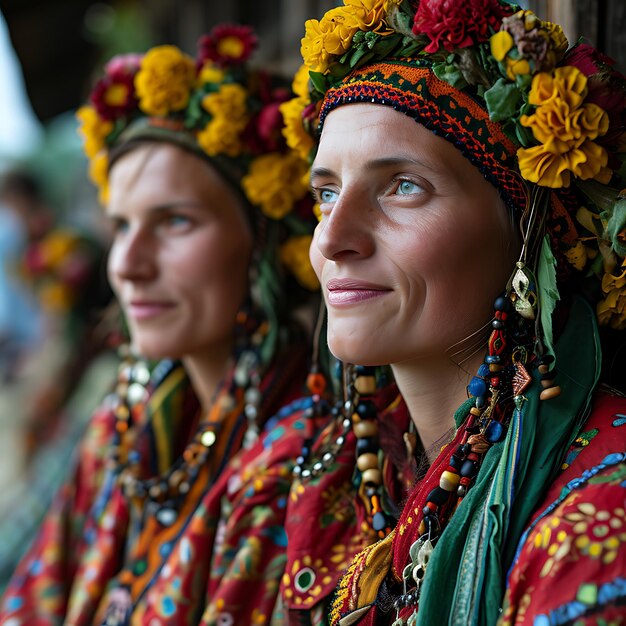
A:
{"x": 215, "y": 106}
{"x": 563, "y": 111}
{"x": 61, "y": 266}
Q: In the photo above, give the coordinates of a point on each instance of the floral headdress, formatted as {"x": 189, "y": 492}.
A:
{"x": 546, "y": 124}
{"x": 219, "y": 108}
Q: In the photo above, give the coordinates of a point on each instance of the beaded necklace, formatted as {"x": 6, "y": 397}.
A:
{"x": 357, "y": 413}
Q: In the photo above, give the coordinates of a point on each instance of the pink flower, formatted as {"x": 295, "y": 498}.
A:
{"x": 123, "y": 64}
{"x": 452, "y": 24}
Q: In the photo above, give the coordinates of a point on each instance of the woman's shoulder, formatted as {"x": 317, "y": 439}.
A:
{"x": 572, "y": 557}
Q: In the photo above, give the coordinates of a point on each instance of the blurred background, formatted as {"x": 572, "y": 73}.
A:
{"x": 57, "y": 354}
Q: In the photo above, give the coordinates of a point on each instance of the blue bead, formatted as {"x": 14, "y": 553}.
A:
{"x": 483, "y": 370}
{"x": 494, "y": 432}
{"x": 613, "y": 459}
{"x": 492, "y": 359}
{"x": 477, "y": 387}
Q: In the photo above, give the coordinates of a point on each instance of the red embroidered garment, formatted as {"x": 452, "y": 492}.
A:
{"x": 219, "y": 563}
{"x": 571, "y": 564}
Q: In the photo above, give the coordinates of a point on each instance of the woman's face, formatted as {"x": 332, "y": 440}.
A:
{"x": 414, "y": 245}
{"x": 180, "y": 252}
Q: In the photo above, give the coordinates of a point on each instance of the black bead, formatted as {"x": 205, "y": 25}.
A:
{"x": 364, "y": 370}
{"x": 497, "y": 324}
{"x": 431, "y": 523}
{"x": 366, "y": 409}
{"x": 469, "y": 469}
{"x": 438, "y": 496}
{"x": 367, "y": 444}
{"x": 502, "y": 304}
{"x": 456, "y": 461}
{"x": 549, "y": 375}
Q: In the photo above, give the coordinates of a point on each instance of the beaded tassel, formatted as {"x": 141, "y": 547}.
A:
{"x": 484, "y": 425}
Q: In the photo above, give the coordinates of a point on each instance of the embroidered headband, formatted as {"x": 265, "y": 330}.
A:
{"x": 544, "y": 124}
{"x": 219, "y": 108}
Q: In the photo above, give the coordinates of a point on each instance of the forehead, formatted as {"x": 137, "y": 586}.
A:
{"x": 365, "y": 131}
{"x": 153, "y": 172}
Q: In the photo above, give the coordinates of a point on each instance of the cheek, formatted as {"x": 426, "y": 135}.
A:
{"x": 112, "y": 276}
{"x": 316, "y": 257}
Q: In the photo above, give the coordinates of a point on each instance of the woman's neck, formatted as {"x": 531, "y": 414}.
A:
{"x": 433, "y": 391}
{"x": 206, "y": 371}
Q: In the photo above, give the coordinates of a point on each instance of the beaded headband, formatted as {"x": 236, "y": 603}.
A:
{"x": 544, "y": 124}
{"x": 217, "y": 107}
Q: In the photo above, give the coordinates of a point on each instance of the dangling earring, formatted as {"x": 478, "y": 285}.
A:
{"x": 523, "y": 284}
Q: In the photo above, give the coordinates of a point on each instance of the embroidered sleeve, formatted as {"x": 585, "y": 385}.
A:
{"x": 572, "y": 565}
{"x": 38, "y": 591}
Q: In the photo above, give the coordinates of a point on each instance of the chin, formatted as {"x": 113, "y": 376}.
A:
{"x": 155, "y": 350}
{"x": 357, "y": 352}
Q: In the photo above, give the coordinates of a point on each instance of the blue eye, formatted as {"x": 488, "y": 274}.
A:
{"x": 327, "y": 195}
{"x": 119, "y": 226}
{"x": 177, "y": 221}
{"x": 407, "y": 187}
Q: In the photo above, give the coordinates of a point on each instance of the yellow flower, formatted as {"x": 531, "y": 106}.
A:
{"x": 295, "y": 256}
{"x": 99, "y": 175}
{"x": 220, "y": 136}
{"x": 526, "y": 45}
{"x": 165, "y": 80}
{"x": 93, "y": 129}
{"x": 300, "y": 84}
{"x": 612, "y": 310}
{"x": 210, "y": 73}
{"x": 317, "y": 212}
{"x": 274, "y": 182}
{"x": 369, "y": 15}
{"x": 56, "y": 296}
{"x": 293, "y": 130}
{"x": 565, "y": 127}
{"x": 230, "y": 101}
{"x": 332, "y": 35}
{"x": 57, "y": 246}
{"x": 577, "y": 255}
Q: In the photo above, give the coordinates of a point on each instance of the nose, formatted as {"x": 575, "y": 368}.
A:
{"x": 349, "y": 231}
{"x": 132, "y": 256}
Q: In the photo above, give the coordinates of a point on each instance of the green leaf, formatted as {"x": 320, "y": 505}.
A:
{"x": 502, "y": 100}
{"x": 319, "y": 81}
{"x": 385, "y": 45}
{"x": 617, "y": 225}
{"x": 450, "y": 74}
{"x": 358, "y": 55}
{"x": 548, "y": 293}
{"x": 524, "y": 135}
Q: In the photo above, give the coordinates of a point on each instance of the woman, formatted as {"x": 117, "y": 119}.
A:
{"x": 175, "y": 511}
{"x": 468, "y": 171}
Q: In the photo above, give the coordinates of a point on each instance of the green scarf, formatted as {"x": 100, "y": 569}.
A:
{"x": 480, "y": 541}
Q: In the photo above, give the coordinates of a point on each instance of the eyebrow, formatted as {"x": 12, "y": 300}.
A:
{"x": 163, "y": 208}
{"x": 380, "y": 163}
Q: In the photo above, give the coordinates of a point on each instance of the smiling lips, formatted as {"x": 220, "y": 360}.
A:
{"x": 147, "y": 309}
{"x": 346, "y": 292}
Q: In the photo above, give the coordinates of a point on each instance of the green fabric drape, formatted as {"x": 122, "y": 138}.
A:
{"x": 465, "y": 581}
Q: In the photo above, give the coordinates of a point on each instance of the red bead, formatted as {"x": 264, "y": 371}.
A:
{"x": 316, "y": 383}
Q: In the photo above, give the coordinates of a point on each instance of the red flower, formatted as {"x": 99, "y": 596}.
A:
{"x": 114, "y": 94}
{"x": 458, "y": 23}
{"x": 588, "y": 60}
{"x": 227, "y": 45}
